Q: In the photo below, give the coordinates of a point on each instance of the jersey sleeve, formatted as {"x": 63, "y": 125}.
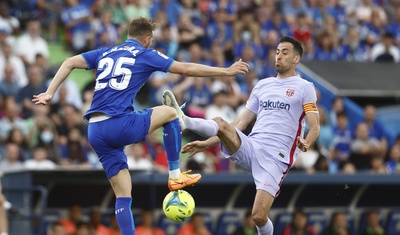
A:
{"x": 309, "y": 99}
{"x": 158, "y": 61}
{"x": 91, "y": 58}
{"x": 253, "y": 102}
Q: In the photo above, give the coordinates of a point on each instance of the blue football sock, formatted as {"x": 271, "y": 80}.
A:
{"x": 173, "y": 143}
{"x": 124, "y": 216}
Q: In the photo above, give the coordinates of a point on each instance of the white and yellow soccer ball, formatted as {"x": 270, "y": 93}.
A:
{"x": 178, "y": 205}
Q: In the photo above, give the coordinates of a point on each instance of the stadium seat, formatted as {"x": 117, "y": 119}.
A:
{"x": 208, "y": 220}
{"x": 393, "y": 222}
{"x": 281, "y": 221}
{"x": 227, "y": 223}
{"x": 318, "y": 220}
{"x": 170, "y": 227}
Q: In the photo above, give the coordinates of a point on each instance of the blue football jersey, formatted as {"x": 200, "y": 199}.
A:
{"x": 120, "y": 73}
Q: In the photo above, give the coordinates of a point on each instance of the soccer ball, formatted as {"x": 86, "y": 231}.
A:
{"x": 178, "y": 205}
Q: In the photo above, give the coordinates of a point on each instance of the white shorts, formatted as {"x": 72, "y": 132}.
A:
{"x": 268, "y": 172}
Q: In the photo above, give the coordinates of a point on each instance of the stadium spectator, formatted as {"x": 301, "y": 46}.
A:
{"x": 12, "y": 158}
{"x": 325, "y": 140}
{"x": 363, "y": 148}
{"x": 8, "y": 21}
{"x": 353, "y": 48}
{"x": 277, "y": 23}
{"x": 34, "y": 124}
{"x": 106, "y": 33}
{"x": 74, "y": 153}
{"x": 385, "y": 50}
{"x": 325, "y": 49}
{"x": 299, "y": 225}
{"x": 11, "y": 119}
{"x": 378, "y": 165}
{"x": 373, "y": 31}
{"x": 172, "y": 8}
{"x": 147, "y": 226}
{"x": 292, "y": 8}
{"x": 373, "y": 226}
{"x": 66, "y": 119}
{"x": 39, "y": 160}
{"x": 31, "y": 43}
{"x": 16, "y": 136}
{"x": 364, "y": 11}
{"x": 198, "y": 97}
{"x": 195, "y": 226}
{"x": 248, "y": 227}
{"x": 138, "y": 159}
{"x": 49, "y": 16}
{"x": 56, "y": 229}
{"x": 342, "y": 138}
{"x": 220, "y": 108}
{"x": 135, "y": 8}
{"x": 246, "y": 32}
{"x": 393, "y": 164}
{"x": 306, "y": 161}
{"x": 9, "y": 58}
{"x": 337, "y": 107}
{"x": 338, "y": 225}
{"x": 9, "y": 84}
{"x": 35, "y": 84}
{"x": 76, "y": 21}
{"x": 47, "y": 138}
{"x": 167, "y": 44}
{"x": 348, "y": 168}
{"x": 220, "y": 33}
{"x": 189, "y": 33}
{"x": 82, "y": 228}
{"x": 375, "y": 128}
{"x": 74, "y": 217}
{"x": 95, "y": 224}
{"x": 118, "y": 15}
{"x": 68, "y": 94}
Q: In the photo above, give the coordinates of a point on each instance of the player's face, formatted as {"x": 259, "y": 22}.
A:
{"x": 285, "y": 58}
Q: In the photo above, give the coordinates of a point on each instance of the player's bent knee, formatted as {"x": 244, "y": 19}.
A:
{"x": 222, "y": 124}
{"x": 259, "y": 220}
{"x": 169, "y": 113}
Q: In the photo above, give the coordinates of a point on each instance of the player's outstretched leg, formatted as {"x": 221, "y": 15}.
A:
{"x": 202, "y": 127}
{"x": 173, "y": 144}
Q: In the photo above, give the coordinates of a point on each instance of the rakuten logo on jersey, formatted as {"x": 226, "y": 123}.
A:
{"x": 271, "y": 105}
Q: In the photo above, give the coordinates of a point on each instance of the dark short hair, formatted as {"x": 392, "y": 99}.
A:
{"x": 141, "y": 27}
{"x": 296, "y": 44}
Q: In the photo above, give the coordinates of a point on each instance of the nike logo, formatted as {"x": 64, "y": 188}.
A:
{"x": 178, "y": 182}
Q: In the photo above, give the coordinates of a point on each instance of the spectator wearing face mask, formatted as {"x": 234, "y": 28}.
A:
{"x": 48, "y": 140}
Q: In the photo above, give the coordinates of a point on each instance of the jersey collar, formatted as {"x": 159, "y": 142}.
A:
{"x": 130, "y": 40}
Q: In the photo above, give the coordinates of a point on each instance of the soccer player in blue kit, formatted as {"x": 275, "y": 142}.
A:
{"x": 113, "y": 123}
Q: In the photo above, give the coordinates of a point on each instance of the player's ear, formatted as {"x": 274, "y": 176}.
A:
{"x": 296, "y": 59}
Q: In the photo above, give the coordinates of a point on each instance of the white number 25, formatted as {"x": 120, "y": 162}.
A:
{"x": 107, "y": 65}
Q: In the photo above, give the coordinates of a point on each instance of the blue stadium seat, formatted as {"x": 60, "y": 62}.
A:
{"x": 281, "y": 221}
{"x": 393, "y": 222}
{"x": 208, "y": 220}
{"x": 170, "y": 227}
{"x": 227, "y": 223}
{"x": 318, "y": 220}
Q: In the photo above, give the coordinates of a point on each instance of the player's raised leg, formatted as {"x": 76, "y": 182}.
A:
{"x": 168, "y": 118}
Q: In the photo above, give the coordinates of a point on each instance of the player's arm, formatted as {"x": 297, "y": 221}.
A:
{"x": 312, "y": 117}
{"x": 200, "y": 70}
{"x": 75, "y": 62}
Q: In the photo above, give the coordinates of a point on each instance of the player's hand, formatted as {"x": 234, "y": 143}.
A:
{"x": 194, "y": 147}
{"x": 302, "y": 144}
{"x": 42, "y": 98}
{"x": 239, "y": 67}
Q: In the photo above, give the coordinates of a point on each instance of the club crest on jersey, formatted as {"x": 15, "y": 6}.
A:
{"x": 290, "y": 92}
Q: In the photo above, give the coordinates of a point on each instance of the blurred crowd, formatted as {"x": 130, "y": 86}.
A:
{"x": 204, "y": 31}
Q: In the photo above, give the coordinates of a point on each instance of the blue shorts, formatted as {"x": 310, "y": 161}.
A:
{"x": 109, "y": 137}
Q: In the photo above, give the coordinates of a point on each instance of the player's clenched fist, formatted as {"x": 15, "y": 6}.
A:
{"x": 302, "y": 144}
